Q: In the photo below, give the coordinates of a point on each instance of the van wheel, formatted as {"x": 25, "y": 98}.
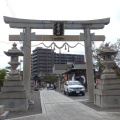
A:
{"x": 64, "y": 92}
{"x": 83, "y": 93}
{"x": 68, "y": 93}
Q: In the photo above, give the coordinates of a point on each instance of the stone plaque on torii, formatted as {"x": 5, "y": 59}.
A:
{"x": 46, "y": 24}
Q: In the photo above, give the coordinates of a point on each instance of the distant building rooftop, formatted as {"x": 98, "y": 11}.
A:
{"x": 75, "y": 68}
{"x": 60, "y": 68}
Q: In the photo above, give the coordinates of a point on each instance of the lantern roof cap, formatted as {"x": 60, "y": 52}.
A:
{"x": 14, "y": 51}
{"x": 107, "y": 49}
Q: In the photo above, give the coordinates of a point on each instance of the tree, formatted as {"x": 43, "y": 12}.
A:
{"x": 116, "y": 47}
{"x": 97, "y": 60}
{"x": 50, "y": 78}
{"x": 2, "y": 76}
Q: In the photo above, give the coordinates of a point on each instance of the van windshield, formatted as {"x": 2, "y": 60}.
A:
{"x": 74, "y": 83}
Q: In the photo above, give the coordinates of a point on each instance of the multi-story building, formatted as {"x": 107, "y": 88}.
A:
{"x": 43, "y": 60}
{"x": 68, "y": 58}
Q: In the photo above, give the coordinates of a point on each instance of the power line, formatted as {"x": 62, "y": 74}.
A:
{"x": 10, "y": 8}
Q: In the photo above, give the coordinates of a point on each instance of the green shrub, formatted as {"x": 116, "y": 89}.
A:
{"x": 2, "y": 76}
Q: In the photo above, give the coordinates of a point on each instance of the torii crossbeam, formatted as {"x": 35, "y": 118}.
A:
{"x": 50, "y": 37}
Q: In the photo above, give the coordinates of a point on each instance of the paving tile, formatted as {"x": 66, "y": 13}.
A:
{"x": 59, "y": 107}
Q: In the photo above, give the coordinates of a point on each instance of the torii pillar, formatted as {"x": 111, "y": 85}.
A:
{"x": 27, "y": 61}
{"x": 46, "y": 24}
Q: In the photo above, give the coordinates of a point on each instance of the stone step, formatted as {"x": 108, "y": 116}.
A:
{"x": 109, "y": 81}
{"x": 4, "y": 115}
{"x": 1, "y": 109}
{"x": 108, "y": 86}
{"x": 13, "y": 83}
{"x": 12, "y": 89}
{"x": 107, "y": 92}
{"x": 12, "y": 95}
{"x": 108, "y": 76}
{"x": 14, "y": 78}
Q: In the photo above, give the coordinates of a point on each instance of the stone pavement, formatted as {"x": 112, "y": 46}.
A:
{"x": 56, "y": 106}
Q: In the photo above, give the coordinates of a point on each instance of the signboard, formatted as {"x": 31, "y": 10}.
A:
{"x": 58, "y": 30}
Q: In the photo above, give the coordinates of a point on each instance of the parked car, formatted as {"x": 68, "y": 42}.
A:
{"x": 74, "y": 87}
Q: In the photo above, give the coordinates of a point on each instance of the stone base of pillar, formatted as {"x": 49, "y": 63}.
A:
{"x": 107, "y": 93}
{"x": 13, "y": 95}
{"x": 105, "y": 101}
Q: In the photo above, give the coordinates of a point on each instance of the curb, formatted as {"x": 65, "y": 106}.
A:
{"x": 42, "y": 105}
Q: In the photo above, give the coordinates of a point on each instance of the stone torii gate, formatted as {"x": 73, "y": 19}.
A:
{"x": 45, "y": 24}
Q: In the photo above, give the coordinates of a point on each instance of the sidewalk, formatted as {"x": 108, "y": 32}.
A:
{"x": 56, "y": 106}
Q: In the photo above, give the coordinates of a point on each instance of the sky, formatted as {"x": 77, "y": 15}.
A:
{"x": 58, "y": 10}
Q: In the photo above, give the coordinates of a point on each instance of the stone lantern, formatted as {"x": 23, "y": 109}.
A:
{"x": 107, "y": 92}
{"x": 107, "y": 56}
{"x": 13, "y": 95}
{"x": 14, "y": 53}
